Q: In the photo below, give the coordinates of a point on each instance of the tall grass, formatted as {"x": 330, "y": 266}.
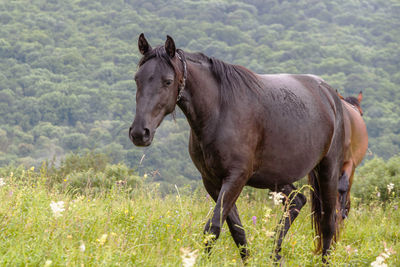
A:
{"x": 138, "y": 226}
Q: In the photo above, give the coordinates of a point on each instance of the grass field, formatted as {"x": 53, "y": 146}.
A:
{"x": 142, "y": 228}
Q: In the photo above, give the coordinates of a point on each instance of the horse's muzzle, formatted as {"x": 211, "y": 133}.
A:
{"x": 140, "y": 136}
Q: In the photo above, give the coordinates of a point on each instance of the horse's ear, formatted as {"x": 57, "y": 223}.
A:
{"x": 143, "y": 45}
{"x": 340, "y": 96}
{"x": 360, "y": 97}
{"x": 170, "y": 46}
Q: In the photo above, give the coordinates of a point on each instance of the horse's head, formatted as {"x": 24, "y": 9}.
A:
{"x": 159, "y": 80}
{"x": 356, "y": 101}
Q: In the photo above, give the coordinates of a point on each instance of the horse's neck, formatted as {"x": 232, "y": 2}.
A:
{"x": 200, "y": 98}
{"x": 352, "y": 106}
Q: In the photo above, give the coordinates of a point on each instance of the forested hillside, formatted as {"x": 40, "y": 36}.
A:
{"x": 66, "y": 68}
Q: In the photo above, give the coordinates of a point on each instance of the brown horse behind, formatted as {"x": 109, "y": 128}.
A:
{"x": 356, "y": 145}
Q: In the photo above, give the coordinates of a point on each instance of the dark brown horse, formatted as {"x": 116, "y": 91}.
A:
{"x": 265, "y": 131}
{"x": 356, "y": 145}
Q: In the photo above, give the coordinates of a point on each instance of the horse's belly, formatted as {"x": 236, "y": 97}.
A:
{"x": 269, "y": 180}
{"x": 283, "y": 162}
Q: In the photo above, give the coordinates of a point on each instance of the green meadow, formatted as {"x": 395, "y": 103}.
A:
{"x": 133, "y": 224}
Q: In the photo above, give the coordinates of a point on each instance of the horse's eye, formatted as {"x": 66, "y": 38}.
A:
{"x": 168, "y": 82}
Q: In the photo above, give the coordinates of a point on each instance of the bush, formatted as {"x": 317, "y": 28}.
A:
{"x": 92, "y": 182}
{"x": 74, "y": 163}
{"x": 378, "y": 180}
{"x": 90, "y": 173}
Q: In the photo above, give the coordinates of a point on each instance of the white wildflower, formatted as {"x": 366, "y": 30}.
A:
{"x": 2, "y": 183}
{"x": 82, "y": 247}
{"x": 269, "y": 234}
{"x": 379, "y": 262}
{"x": 188, "y": 257}
{"x": 57, "y": 208}
{"x": 390, "y": 187}
{"x": 48, "y": 263}
{"x": 277, "y": 197}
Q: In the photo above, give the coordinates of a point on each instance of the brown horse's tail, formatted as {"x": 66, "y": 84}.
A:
{"x": 316, "y": 211}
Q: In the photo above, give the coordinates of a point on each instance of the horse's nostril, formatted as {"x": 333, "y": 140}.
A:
{"x": 146, "y": 135}
{"x": 131, "y": 134}
{"x": 140, "y": 136}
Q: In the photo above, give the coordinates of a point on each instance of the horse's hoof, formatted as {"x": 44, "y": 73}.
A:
{"x": 325, "y": 262}
{"x": 278, "y": 259}
{"x": 344, "y": 214}
{"x": 207, "y": 250}
{"x": 245, "y": 255}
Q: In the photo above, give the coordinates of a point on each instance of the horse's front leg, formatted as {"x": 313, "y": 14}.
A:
{"x": 348, "y": 200}
{"x": 293, "y": 203}
{"x": 233, "y": 221}
{"x": 230, "y": 190}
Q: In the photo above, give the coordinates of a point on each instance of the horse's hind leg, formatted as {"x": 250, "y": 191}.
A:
{"x": 237, "y": 231}
{"x": 348, "y": 200}
{"x": 344, "y": 188}
{"x": 329, "y": 170}
{"x": 233, "y": 221}
{"x": 293, "y": 203}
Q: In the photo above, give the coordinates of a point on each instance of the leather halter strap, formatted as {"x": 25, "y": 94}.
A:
{"x": 181, "y": 86}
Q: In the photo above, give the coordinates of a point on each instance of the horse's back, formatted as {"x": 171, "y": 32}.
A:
{"x": 303, "y": 98}
{"x": 310, "y": 89}
{"x": 302, "y": 114}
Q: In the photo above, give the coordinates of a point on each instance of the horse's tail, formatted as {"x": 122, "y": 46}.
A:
{"x": 316, "y": 211}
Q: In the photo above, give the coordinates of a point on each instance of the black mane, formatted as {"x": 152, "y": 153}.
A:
{"x": 235, "y": 80}
{"x": 352, "y": 100}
